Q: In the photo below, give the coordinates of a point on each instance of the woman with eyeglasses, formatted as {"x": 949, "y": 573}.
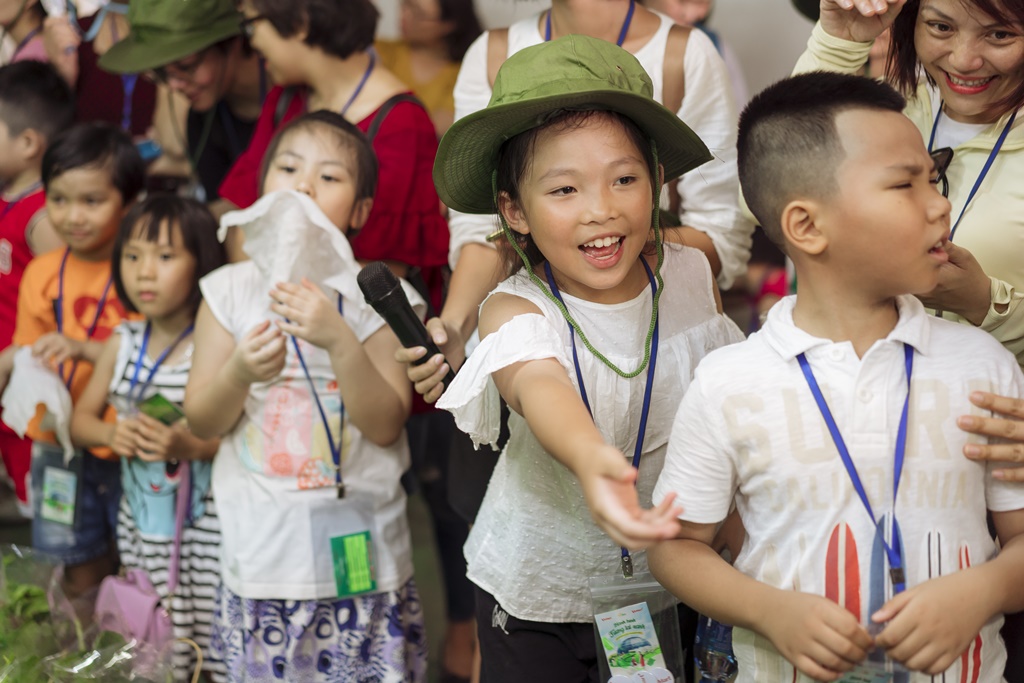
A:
{"x": 196, "y": 48}
{"x": 961, "y": 65}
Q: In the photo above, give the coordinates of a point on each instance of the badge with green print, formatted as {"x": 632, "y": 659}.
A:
{"x": 354, "y": 571}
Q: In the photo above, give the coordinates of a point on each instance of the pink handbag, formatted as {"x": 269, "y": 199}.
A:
{"x": 130, "y": 605}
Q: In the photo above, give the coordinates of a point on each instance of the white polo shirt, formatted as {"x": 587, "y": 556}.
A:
{"x": 750, "y": 430}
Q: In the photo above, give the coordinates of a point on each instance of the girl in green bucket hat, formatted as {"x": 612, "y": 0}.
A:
{"x": 591, "y": 340}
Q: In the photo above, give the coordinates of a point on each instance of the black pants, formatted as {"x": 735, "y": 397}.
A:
{"x": 430, "y": 438}
{"x": 513, "y": 650}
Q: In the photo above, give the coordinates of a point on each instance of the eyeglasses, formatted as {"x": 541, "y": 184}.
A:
{"x": 247, "y": 25}
{"x": 942, "y": 158}
{"x": 182, "y": 70}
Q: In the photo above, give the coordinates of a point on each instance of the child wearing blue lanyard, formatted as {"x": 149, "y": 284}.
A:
{"x": 164, "y": 246}
{"x": 302, "y": 387}
{"x": 591, "y": 340}
{"x": 833, "y": 429}
{"x": 67, "y": 307}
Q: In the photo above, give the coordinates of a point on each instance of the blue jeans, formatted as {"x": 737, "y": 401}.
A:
{"x": 96, "y": 504}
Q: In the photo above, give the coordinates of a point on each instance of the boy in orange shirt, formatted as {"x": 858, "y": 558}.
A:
{"x": 66, "y": 308}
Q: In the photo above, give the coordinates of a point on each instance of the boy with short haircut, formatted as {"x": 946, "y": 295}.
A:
{"x": 35, "y": 105}
{"x": 842, "y": 181}
{"x": 66, "y": 308}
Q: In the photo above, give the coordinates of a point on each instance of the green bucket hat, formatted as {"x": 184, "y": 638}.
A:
{"x": 164, "y": 31}
{"x": 573, "y": 72}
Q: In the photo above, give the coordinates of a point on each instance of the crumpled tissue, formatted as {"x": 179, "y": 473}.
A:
{"x": 288, "y": 237}
{"x": 33, "y": 382}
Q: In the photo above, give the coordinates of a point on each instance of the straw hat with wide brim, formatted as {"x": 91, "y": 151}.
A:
{"x": 165, "y": 31}
{"x": 573, "y": 72}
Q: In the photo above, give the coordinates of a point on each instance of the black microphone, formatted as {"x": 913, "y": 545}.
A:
{"x": 383, "y": 292}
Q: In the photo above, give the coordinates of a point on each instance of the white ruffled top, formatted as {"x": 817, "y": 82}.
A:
{"x": 534, "y": 544}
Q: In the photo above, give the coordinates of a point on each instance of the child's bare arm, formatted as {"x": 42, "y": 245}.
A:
{"x": 541, "y": 391}
{"x": 58, "y": 348}
{"x": 222, "y": 372}
{"x": 373, "y": 385}
{"x": 931, "y": 624}
{"x": 816, "y": 635}
{"x": 88, "y": 429}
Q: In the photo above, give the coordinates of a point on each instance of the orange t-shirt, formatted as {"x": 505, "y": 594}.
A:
{"x": 84, "y": 284}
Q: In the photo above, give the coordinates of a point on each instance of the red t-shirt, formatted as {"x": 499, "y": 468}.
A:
{"x": 405, "y": 223}
{"x": 14, "y": 256}
{"x": 99, "y": 95}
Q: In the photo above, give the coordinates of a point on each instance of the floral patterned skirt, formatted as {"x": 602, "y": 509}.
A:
{"x": 378, "y": 638}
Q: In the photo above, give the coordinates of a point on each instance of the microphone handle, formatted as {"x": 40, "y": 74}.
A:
{"x": 409, "y": 329}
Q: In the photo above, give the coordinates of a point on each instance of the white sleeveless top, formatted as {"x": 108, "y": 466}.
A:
{"x": 534, "y": 544}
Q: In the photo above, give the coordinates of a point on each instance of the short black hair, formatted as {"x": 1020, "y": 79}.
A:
{"x": 97, "y": 145}
{"x": 33, "y": 96}
{"x": 192, "y": 222}
{"x": 338, "y": 27}
{"x": 346, "y": 135}
{"x": 516, "y": 155}
{"x": 788, "y": 144}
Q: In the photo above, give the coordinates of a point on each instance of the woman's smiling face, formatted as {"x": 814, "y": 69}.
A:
{"x": 976, "y": 60}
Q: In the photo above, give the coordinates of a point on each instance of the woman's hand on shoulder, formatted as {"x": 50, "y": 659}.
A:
{"x": 1007, "y": 428}
{"x": 859, "y": 21}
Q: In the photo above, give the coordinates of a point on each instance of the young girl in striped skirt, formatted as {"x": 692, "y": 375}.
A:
{"x": 165, "y": 245}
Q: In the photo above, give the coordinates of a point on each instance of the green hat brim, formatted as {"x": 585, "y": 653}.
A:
{"x": 132, "y": 55}
{"x": 468, "y": 153}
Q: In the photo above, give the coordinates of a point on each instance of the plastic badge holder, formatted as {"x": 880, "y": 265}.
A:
{"x": 637, "y": 630}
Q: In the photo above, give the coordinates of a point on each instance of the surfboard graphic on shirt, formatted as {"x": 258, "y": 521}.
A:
{"x": 842, "y": 570}
{"x": 934, "y": 541}
{"x": 970, "y": 660}
{"x": 879, "y": 588}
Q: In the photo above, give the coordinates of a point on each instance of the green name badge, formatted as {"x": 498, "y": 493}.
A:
{"x": 354, "y": 571}
{"x": 60, "y": 487}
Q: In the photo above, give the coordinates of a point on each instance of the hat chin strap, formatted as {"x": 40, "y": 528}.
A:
{"x": 659, "y": 249}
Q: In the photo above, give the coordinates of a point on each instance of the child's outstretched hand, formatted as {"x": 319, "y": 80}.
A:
{"x": 609, "y": 485}
{"x": 931, "y": 624}
{"x": 56, "y": 348}
{"x": 124, "y": 440}
{"x": 817, "y": 636}
{"x": 260, "y": 355}
{"x": 309, "y": 314}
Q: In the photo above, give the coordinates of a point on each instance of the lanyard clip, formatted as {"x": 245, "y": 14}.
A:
{"x": 627, "y": 566}
{"x": 899, "y": 579}
{"x": 341, "y": 490}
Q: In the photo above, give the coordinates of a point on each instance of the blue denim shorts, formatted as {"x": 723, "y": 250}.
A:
{"x": 98, "y": 497}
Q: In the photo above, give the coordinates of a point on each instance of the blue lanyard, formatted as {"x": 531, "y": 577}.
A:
{"x": 128, "y": 82}
{"x": 97, "y": 22}
{"x": 362, "y": 82}
{"x": 132, "y": 397}
{"x": 24, "y": 41}
{"x": 627, "y": 561}
{"x": 895, "y": 551}
{"x": 984, "y": 169}
{"x": 335, "y": 448}
{"x": 14, "y": 202}
{"x": 58, "y": 310}
{"x": 622, "y": 32}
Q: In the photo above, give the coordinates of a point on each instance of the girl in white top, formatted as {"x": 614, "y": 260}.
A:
{"x": 317, "y": 570}
{"x": 596, "y": 314}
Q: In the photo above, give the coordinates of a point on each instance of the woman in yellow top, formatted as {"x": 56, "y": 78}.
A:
{"x": 961, "y": 65}
{"x": 435, "y": 36}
